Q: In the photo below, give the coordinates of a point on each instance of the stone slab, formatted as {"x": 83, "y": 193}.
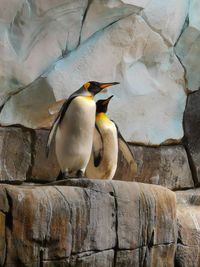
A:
{"x": 164, "y": 165}
{"x": 81, "y": 220}
{"x": 188, "y": 216}
{"x": 15, "y": 154}
{"x": 192, "y": 133}
{"x": 43, "y": 168}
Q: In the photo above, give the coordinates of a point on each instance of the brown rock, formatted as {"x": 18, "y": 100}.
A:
{"x": 165, "y": 165}
{"x": 124, "y": 171}
{"x": 15, "y": 154}
{"x": 192, "y": 132}
{"x": 87, "y": 222}
{"x": 188, "y": 213}
{"x": 58, "y": 221}
{"x": 43, "y": 169}
{"x": 146, "y": 215}
{"x": 129, "y": 258}
{"x": 88, "y": 259}
{"x": 2, "y": 239}
{"x": 161, "y": 255}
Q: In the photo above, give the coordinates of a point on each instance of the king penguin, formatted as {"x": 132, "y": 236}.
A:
{"x": 107, "y": 142}
{"x": 73, "y": 129}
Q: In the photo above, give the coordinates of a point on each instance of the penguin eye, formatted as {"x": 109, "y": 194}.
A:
{"x": 86, "y": 85}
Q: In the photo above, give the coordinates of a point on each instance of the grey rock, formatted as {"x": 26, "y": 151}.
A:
{"x": 99, "y": 15}
{"x": 86, "y": 222}
{"x": 2, "y": 238}
{"x": 30, "y": 106}
{"x": 33, "y": 36}
{"x": 192, "y": 132}
{"x": 188, "y": 46}
{"x": 43, "y": 168}
{"x": 161, "y": 255}
{"x": 15, "y": 154}
{"x": 88, "y": 259}
{"x": 167, "y": 17}
{"x": 164, "y": 165}
{"x": 139, "y": 209}
{"x": 188, "y": 216}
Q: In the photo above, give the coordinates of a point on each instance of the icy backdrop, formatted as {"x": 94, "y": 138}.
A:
{"x": 49, "y": 48}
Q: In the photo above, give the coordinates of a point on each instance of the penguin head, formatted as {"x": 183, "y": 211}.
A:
{"x": 102, "y": 105}
{"x": 96, "y": 87}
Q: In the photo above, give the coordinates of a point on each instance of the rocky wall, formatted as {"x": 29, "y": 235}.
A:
{"x": 48, "y": 50}
{"x": 87, "y": 223}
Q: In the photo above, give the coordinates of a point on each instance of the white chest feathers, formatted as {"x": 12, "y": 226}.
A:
{"x": 109, "y": 149}
{"x": 75, "y": 134}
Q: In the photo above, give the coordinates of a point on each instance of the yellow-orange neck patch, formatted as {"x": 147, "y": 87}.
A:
{"x": 101, "y": 116}
{"x": 89, "y": 97}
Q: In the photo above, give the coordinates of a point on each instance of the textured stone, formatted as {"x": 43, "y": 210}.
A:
{"x": 2, "y": 238}
{"x": 43, "y": 168}
{"x": 59, "y": 221}
{"x": 140, "y": 3}
{"x": 162, "y": 256}
{"x": 165, "y": 165}
{"x": 7, "y": 13}
{"x": 38, "y": 34}
{"x": 124, "y": 171}
{"x": 15, "y": 154}
{"x": 188, "y": 47}
{"x": 192, "y": 132}
{"x": 137, "y": 218}
{"x": 100, "y": 15}
{"x": 149, "y": 74}
{"x": 30, "y": 106}
{"x": 80, "y": 224}
{"x": 167, "y": 17}
{"x": 188, "y": 213}
{"x": 99, "y": 259}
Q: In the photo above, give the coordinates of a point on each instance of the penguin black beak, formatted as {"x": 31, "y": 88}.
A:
{"x": 105, "y": 85}
{"x": 106, "y": 101}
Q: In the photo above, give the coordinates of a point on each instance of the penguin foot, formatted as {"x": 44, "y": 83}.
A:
{"x": 62, "y": 176}
{"x": 65, "y": 175}
{"x": 80, "y": 174}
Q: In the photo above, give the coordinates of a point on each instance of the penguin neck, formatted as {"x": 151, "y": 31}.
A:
{"x": 102, "y": 117}
{"x": 89, "y": 97}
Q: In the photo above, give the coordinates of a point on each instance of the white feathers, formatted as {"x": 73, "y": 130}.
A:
{"x": 75, "y": 134}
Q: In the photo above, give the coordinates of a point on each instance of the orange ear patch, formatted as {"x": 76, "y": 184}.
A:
{"x": 86, "y": 85}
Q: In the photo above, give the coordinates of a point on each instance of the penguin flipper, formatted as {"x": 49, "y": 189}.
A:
{"x": 97, "y": 146}
{"x": 126, "y": 152}
{"x": 51, "y": 134}
{"x": 57, "y": 121}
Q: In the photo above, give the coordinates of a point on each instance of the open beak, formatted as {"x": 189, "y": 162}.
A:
{"x": 105, "y": 85}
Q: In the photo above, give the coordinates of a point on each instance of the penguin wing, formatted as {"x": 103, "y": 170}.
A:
{"x": 126, "y": 152}
{"x": 55, "y": 107}
{"x": 58, "y": 120}
{"x": 97, "y": 148}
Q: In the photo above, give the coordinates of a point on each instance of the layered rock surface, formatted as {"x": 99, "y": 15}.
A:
{"x": 188, "y": 46}
{"x": 165, "y": 165}
{"x": 192, "y": 132}
{"x": 87, "y": 223}
{"x": 188, "y": 213}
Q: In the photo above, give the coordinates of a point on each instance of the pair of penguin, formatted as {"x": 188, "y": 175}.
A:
{"x": 86, "y": 140}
